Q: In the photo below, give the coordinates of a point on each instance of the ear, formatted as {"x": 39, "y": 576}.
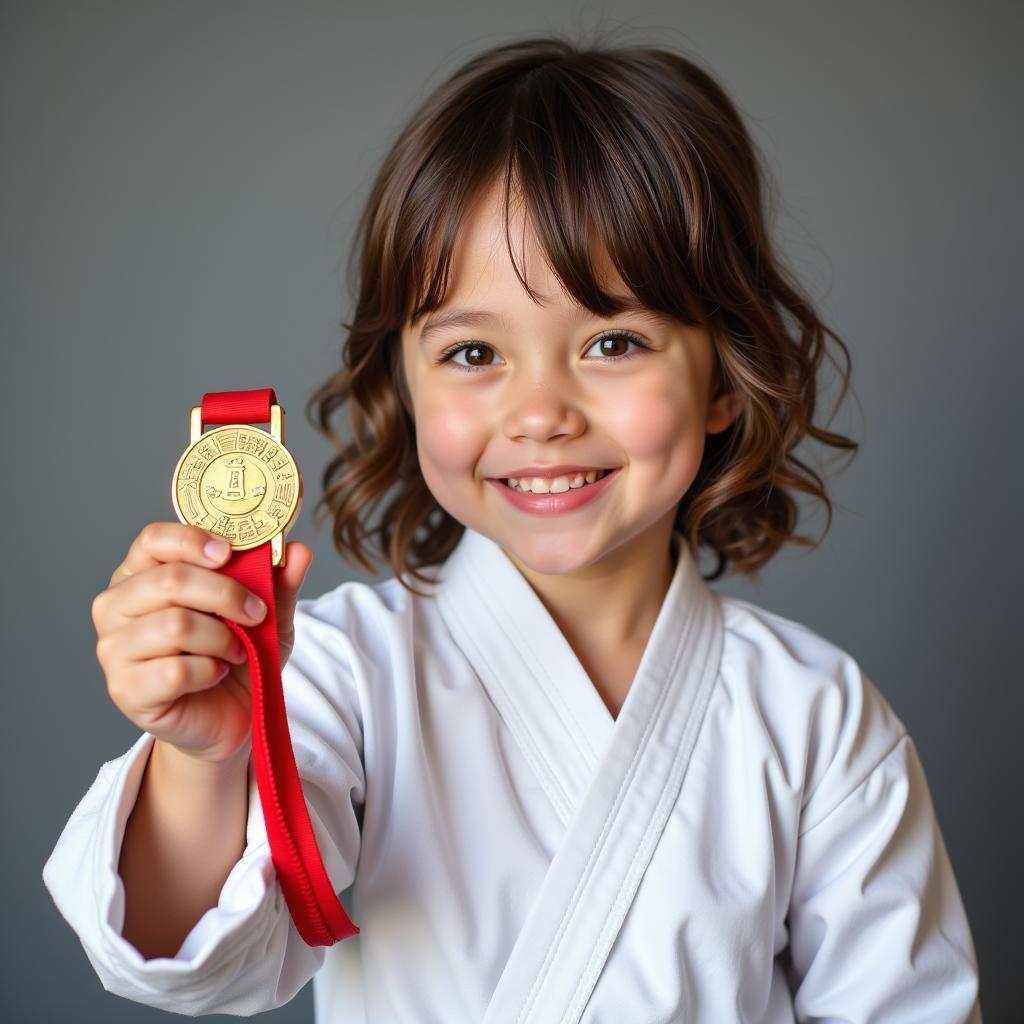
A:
{"x": 724, "y": 408}
{"x": 723, "y": 405}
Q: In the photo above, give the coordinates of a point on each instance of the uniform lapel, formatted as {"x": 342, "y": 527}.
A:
{"x": 613, "y": 781}
{"x": 529, "y": 669}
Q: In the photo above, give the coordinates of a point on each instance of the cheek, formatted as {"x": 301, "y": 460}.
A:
{"x": 450, "y": 435}
{"x": 657, "y": 421}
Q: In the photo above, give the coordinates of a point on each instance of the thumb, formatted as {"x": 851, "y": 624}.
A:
{"x": 288, "y": 581}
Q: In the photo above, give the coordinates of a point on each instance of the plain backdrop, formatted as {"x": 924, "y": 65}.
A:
{"x": 180, "y": 182}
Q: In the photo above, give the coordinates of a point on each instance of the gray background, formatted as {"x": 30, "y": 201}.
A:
{"x": 180, "y": 182}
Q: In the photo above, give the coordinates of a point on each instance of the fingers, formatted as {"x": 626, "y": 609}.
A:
{"x": 169, "y": 542}
{"x": 166, "y": 632}
{"x": 159, "y": 682}
{"x": 163, "y": 606}
{"x": 175, "y": 584}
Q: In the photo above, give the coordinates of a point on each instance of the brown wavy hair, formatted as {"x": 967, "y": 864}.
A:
{"x": 634, "y": 148}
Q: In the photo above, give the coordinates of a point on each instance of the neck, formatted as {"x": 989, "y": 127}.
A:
{"x": 613, "y": 604}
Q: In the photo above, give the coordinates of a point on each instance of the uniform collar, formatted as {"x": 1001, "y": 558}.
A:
{"x": 534, "y": 677}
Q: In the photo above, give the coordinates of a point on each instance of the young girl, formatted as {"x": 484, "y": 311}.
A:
{"x": 555, "y": 776}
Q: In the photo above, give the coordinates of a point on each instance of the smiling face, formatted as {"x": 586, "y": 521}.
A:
{"x": 547, "y": 384}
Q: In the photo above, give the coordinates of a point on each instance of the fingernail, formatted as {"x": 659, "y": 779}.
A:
{"x": 215, "y": 550}
{"x": 254, "y": 607}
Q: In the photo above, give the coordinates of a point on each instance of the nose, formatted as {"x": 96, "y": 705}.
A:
{"x": 540, "y": 412}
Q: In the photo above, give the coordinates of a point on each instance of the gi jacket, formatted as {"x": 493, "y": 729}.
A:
{"x": 751, "y": 839}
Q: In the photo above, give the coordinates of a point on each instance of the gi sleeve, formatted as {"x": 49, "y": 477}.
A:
{"x": 878, "y": 930}
{"x": 244, "y": 955}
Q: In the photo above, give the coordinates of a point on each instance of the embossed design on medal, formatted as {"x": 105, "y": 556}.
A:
{"x": 239, "y": 482}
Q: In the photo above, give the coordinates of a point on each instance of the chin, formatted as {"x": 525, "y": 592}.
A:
{"x": 554, "y": 555}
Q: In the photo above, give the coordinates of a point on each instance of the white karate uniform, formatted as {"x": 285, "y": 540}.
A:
{"x": 752, "y": 839}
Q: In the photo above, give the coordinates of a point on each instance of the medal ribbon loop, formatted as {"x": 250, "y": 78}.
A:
{"x": 314, "y": 905}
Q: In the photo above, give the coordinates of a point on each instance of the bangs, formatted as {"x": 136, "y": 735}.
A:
{"x": 598, "y": 182}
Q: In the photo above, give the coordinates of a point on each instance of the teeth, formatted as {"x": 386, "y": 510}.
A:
{"x": 555, "y": 485}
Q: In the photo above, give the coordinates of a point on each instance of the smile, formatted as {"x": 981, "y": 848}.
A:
{"x": 555, "y": 484}
{"x": 572, "y": 492}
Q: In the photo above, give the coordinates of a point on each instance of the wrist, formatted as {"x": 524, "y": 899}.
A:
{"x": 179, "y": 763}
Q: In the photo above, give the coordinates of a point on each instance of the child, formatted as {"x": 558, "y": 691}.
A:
{"x": 562, "y": 779}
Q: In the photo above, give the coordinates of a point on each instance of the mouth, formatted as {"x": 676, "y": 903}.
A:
{"x": 555, "y": 484}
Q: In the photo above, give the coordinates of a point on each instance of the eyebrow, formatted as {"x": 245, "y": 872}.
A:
{"x": 460, "y": 317}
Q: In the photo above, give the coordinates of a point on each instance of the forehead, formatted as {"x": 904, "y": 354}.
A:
{"x": 482, "y": 274}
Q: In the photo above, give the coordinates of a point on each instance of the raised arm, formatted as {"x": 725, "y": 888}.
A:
{"x": 183, "y": 837}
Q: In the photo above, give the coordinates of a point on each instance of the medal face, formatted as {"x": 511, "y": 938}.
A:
{"x": 238, "y": 482}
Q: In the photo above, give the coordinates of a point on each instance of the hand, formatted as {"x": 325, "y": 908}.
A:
{"x": 171, "y": 666}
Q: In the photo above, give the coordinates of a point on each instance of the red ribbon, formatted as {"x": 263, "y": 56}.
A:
{"x": 315, "y": 908}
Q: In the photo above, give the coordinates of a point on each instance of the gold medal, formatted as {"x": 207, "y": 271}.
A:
{"x": 239, "y": 482}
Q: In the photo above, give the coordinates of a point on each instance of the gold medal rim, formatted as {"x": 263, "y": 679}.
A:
{"x": 205, "y": 436}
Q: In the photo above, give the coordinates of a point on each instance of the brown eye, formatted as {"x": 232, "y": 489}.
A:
{"x": 473, "y": 349}
{"x": 608, "y": 343}
{"x": 473, "y": 354}
{"x": 611, "y": 338}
